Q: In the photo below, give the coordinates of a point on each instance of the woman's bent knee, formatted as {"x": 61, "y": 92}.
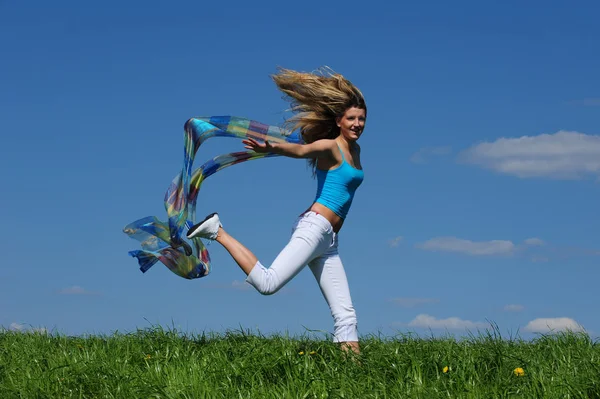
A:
{"x": 268, "y": 290}
{"x": 264, "y": 280}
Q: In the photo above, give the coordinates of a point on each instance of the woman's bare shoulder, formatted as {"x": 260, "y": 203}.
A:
{"x": 326, "y": 145}
{"x": 326, "y": 142}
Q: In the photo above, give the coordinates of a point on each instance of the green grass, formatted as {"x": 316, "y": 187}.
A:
{"x": 159, "y": 363}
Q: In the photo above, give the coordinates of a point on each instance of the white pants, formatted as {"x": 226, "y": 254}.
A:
{"x": 313, "y": 243}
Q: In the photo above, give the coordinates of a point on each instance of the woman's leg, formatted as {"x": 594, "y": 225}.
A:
{"x": 309, "y": 240}
{"x": 331, "y": 276}
{"x": 242, "y": 255}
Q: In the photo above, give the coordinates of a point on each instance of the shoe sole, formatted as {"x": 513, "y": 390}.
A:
{"x": 186, "y": 247}
{"x": 195, "y": 227}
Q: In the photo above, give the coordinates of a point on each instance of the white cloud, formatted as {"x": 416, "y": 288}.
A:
{"x": 514, "y": 308}
{"x": 21, "y": 328}
{"x": 424, "y": 153}
{"x": 427, "y": 321}
{"x": 74, "y": 290}
{"x": 562, "y": 155}
{"x": 412, "y": 302}
{"x": 534, "y": 242}
{"x": 454, "y": 244}
{"x": 553, "y": 325}
{"x": 394, "y": 242}
{"x": 534, "y": 249}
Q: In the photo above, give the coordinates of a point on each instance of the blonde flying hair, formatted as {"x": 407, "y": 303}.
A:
{"x": 318, "y": 99}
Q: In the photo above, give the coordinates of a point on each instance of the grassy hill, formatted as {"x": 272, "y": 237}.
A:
{"x": 157, "y": 363}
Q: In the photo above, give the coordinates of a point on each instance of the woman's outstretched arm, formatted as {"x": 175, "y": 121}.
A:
{"x": 317, "y": 149}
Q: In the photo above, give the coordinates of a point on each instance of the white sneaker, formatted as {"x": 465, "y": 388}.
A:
{"x": 208, "y": 228}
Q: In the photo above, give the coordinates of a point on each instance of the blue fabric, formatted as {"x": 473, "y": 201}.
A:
{"x": 336, "y": 187}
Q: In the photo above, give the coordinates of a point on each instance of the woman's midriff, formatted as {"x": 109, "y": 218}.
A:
{"x": 335, "y": 220}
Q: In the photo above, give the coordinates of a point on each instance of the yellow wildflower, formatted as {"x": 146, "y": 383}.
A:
{"x": 301, "y": 353}
{"x": 446, "y": 369}
{"x": 519, "y": 372}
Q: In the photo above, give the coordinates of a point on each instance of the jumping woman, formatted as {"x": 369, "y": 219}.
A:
{"x": 331, "y": 114}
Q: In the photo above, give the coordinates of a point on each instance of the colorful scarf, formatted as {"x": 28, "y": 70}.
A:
{"x": 162, "y": 241}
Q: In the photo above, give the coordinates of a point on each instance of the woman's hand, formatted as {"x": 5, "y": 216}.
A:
{"x": 255, "y": 146}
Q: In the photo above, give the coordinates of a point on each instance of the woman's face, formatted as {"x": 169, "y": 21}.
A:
{"x": 352, "y": 123}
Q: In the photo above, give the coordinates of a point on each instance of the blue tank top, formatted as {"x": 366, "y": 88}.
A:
{"x": 336, "y": 187}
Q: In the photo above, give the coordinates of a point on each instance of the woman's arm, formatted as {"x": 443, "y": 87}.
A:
{"x": 313, "y": 150}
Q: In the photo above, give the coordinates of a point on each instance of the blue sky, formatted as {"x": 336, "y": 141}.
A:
{"x": 481, "y": 156}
